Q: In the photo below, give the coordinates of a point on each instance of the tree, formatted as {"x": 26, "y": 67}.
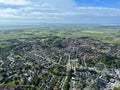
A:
{"x": 117, "y": 88}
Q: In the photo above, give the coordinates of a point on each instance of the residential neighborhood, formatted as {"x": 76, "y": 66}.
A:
{"x": 60, "y": 64}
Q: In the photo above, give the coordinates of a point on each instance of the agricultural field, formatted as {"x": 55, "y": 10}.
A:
{"x": 75, "y": 31}
{"x": 106, "y": 33}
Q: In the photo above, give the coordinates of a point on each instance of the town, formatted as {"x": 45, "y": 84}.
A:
{"x": 56, "y": 63}
{"x": 59, "y": 44}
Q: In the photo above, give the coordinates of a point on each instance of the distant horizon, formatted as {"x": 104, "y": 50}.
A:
{"x": 9, "y": 27}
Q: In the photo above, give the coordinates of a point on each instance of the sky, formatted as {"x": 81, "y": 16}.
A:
{"x": 35, "y": 12}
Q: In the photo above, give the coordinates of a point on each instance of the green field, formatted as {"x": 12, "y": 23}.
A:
{"x": 106, "y": 34}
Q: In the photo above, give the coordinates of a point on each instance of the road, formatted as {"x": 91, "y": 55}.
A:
{"x": 68, "y": 67}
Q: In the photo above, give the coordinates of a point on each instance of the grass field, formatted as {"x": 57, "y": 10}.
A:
{"x": 106, "y": 34}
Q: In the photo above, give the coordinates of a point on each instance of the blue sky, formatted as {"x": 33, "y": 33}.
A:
{"x": 100, "y": 3}
{"x": 20, "y": 12}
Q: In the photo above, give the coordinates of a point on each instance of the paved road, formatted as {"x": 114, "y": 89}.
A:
{"x": 68, "y": 67}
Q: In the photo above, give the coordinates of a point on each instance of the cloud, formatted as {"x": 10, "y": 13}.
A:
{"x": 14, "y": 2}
{"x": 62, "y": 4}
{"x": 8, "y": 12}
{"x": 62, "y": 11}
{"x": 100, "y": 11}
